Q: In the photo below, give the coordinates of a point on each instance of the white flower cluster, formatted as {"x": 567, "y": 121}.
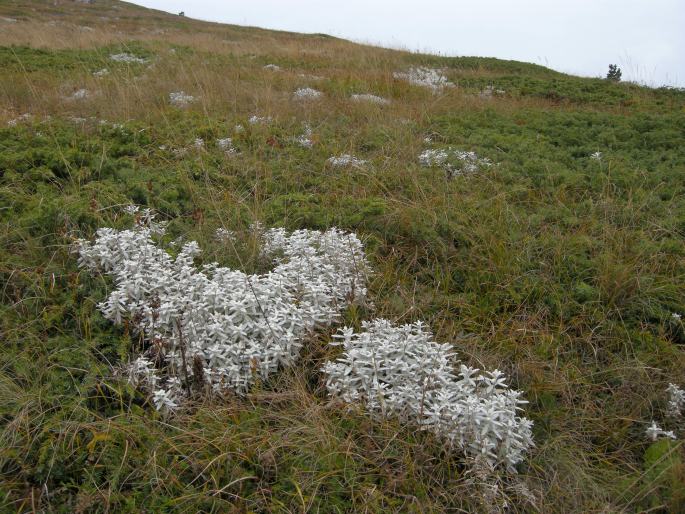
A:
{"x": 126, "y": 57}
{"x": 597, "y": 156}
{"x": 426, "y": 77}
{"x": 224, "y": 235}
{"x": 370, "y": 98}
{"x": 180, "y": 99}
{"x": 654, "y": 432}
{"x": 305, "y": 139}
{"x": 101, "y": 73}
{"x": 344, "y": 160}
{"x": 676, "y": 401}
{"x": 272, "y": 67}
{"x": 259, "y": 120}
{"x": 675, "y": 410}
{"x": 400, "y": 371}
{"x": 14, "y": 122}
{"x": 454, "y": 162}
{"x": 490, "y": 90}
{"x": 310, "y": 77}
{"x": 220, "y": 328}
{"x": 226, "y": 144}
{"x": 307, "y": 93}
{"x": 79, "y": 94}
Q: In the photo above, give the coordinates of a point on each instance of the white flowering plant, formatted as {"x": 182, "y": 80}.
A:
{"x": 307, "y": 93}
{"x": 305, "y": 140}
{"x": 215, "y": 328}
{"x": 128, "y": 58}
{"x": 370, "y": 98}
{"x": 400, "y": 371}
{"x": 434, "y": 79}
{"x": 344, "y": 160}
{"x": 675, "y": 410}
{"x": 180, "y": 99}
{"x": 454, "y": 162}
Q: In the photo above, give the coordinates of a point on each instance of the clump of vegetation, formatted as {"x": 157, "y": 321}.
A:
{"x": 217, "y": 328}
{"x": 614, "y": 74}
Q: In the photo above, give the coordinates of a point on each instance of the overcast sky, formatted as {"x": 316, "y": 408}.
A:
{"x": 646, "y": 38}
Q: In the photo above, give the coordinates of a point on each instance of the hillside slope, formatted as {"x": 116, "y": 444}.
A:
{"x": 558, "y": 257}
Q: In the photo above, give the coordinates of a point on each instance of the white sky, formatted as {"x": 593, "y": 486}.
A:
{"x": 646, "y": 38}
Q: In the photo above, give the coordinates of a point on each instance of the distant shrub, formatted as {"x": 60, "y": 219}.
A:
{"x": 614, "y": 73}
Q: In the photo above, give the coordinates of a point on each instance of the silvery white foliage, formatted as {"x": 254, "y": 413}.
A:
{"x": 126, "y": 57}
{"x": 180, "y": 99}
{"x": 343, "y": 160}
{"x": 225, "y": 144}
{"x": 426, "y": 77}
{"x": 453, "y": 161}
{"x": 399, "y": 371}
{"x": 80, "y": 94}
{"x": 305, "y": 139}
{"x": 238, "y": 326}
{"x": 490, "y": 90}
{"x": 654, "y": 432}
{"x": 223, "y": 235}
{"x": 310, "y": 77}
{"x": 259, "y": 120}
{"x": 676, "y": 401}
{"x": 307, "y": 93}
{"x": 14, "y": 122}
{"x": 370, "y": 98}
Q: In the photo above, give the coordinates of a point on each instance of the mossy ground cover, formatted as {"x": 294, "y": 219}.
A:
{"x": 560, "y": 269}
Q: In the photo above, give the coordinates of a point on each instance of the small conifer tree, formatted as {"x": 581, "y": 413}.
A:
{"x": 614, "y": 73}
